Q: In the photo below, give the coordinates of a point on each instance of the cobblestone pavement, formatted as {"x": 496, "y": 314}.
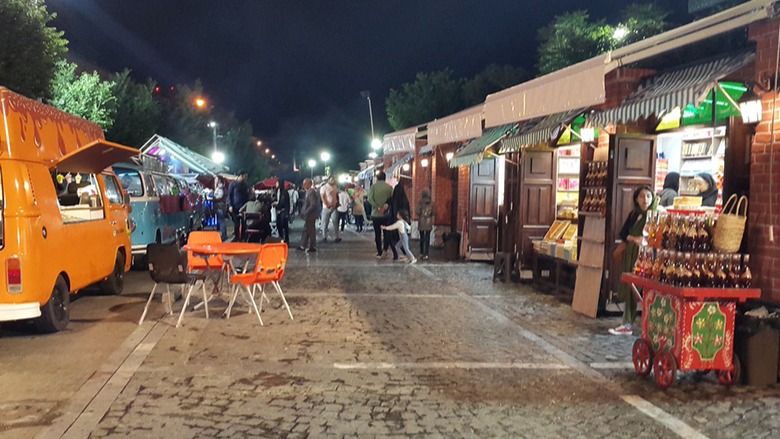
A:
{"x": 387, "y": 350}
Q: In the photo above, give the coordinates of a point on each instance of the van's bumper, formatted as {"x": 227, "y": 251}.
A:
{"x": 19, "y": 311}
{"x": 139, "y": 249}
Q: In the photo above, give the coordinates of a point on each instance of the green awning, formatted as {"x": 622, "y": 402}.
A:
{"x": 675, "y": 88}
{"x": 473, "y": 151}
{"x": 546, "y": 130}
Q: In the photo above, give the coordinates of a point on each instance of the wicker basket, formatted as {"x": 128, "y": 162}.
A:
{"x": 730, "y": 226}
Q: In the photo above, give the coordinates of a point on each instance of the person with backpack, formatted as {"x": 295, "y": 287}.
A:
{"x": 424, "y": 211}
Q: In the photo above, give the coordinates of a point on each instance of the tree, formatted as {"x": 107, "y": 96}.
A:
{"x": 242, "y": 153}
{"x": 430, "y": 96}
{"x": 642, "y": 21}
{"x": 569, "y": 39}
{"x": 85, "y": 96}
{"x": 137, "y": 112}
{"x": 492, "y": 79}
{"x": 572, "y": 37}
{"x": 182, "y": 121}
{"x": 29, "y": 48}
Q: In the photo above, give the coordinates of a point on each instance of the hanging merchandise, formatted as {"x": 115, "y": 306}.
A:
{"x": 731, "y": 225}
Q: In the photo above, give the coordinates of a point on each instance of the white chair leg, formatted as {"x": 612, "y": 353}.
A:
{"x": 254, "y": 305}
{"x": 205, "y": 299}
{"x": 279, "y": 290}
{"x": 166, "y": 298}
{"x": 233, "y": 293}
{"x": 184, "y": 307}
{"x": 148, "y": 301}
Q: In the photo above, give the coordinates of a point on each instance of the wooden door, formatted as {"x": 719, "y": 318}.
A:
{"x": 483, "y": 208}
{"x": 632, "y": 160}
{"x": 537, "y": 199}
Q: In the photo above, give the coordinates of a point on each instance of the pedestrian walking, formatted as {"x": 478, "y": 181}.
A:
{"x": 379, "y": 197}
{"x": 310, "y": 211}
{"x": 398, "y": 202}
{"x": 632, "y": 237}
{"x": 424, "y": 211}
{"x": 329, "y": 193}
{"x": 358, "y": 210}
{"x": 293, "y": 194}
{"x": 282, "y": 205}
{"x": 238, "y": 195}
{"x": 403, "y": 228}
{"x": 344, "y": 201}
{"x": 220, "y": 206}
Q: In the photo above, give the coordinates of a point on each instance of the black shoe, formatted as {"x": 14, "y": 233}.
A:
{"x": 300, "y": 247}
{"x": 311, "y": 250}
{"x": 338, "y": 239}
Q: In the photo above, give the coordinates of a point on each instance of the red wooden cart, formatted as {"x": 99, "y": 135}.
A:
{"x": 686, "y": 329}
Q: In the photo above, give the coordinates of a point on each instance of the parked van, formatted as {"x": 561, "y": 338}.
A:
{"x": 64, "y": 221}
{"x": 162, "y": 209}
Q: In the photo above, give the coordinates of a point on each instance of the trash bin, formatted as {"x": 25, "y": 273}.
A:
{"x": 451, "y": 246}
{"x": 757, "y": 344}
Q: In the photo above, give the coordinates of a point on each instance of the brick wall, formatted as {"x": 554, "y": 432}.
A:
{"x": 620, "y": 83}
{"x": 421, "y": 177}
{"x": 441, "y": 186}
{"x": 765, "y": 255}
{"x": 464, "y": 184}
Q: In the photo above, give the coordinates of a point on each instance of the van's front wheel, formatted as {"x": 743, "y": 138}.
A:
{"x": 55, "y": 315}
{"x": 115, "y": 282}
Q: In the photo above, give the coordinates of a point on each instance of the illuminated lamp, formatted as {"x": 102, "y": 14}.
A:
{"x": 424, "y": 163}
{"x": 750, "y": 107}
{"x": 449, "y": 156}
{"x": 405, "y": 167}
{"x": 588, "y": 134}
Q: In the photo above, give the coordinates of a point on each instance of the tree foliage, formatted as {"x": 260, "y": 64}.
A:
{"x": 573, "y": 37}
{"x": 137, "y": 111}
{"x": 430, "y": 96}
{"x": 85, "y": 95}
{"x": 29, "y": 48}
{"x": 492, "y": 79}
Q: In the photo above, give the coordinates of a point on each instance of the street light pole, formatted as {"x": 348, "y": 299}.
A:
{"x": 213, "y": 126}
{"x": 367, "y": 94}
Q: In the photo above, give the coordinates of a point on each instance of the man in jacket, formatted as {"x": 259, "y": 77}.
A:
{"x": 310, "y": 212}
{"x": 379, "y": 196}
{"x": 238, "y": 195}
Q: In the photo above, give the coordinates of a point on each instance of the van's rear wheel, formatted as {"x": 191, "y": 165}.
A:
{"x": 55, "y": 315}
{"x": 115, "y": 282}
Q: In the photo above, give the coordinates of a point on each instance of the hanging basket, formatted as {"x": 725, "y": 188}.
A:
{"x": 731, "y": 225}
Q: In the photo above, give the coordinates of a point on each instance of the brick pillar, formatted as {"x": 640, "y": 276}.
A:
{"x": 464, "y": 184}
{"x": 442, "y": 180}
{"x": 765, "y": 255}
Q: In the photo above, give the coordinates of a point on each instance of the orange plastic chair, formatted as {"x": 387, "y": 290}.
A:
{"x": 196, "y": 262}
{"x": 269, "y": 269}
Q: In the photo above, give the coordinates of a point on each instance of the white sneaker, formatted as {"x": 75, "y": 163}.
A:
{"x": 621, "y": 330}
{"x": 402, "y": 259}
{"x": 414, "y": 260}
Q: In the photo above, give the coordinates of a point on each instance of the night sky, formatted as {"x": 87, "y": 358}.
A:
{"x": 296, "y": 68}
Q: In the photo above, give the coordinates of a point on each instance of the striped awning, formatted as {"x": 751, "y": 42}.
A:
{"x": 472, "y": 152}
{"x": 427, "y": 149}
{"x": 545, "y": 130}
{"x": 366, "y": 173}
{"x": 675, "y": 88}
{"x": 398, "y": 163}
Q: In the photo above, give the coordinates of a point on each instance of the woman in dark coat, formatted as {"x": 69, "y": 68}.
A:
{"x": 708, "y": 189}
{"x": 282, "y": 204}
{"x": 671, "y": 189}
{"x": 398, "y": 202}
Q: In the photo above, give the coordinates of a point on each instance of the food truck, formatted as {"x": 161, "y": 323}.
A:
{"x": 64, "y": 222}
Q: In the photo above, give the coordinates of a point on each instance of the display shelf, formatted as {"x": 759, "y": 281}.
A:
{"x": 696, "y": 157}
{"x": 700, "y": 294}
{"x": 594, "y": 214}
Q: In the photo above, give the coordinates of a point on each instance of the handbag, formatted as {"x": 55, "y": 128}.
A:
{"x": 617, "y": 255}
{"x": 727, "y": 236}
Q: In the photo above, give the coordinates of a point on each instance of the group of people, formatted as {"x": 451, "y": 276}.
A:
{"x": 392, "y": 221}
{"x": 632, "y": 232}
{"x": 387, "y": 206}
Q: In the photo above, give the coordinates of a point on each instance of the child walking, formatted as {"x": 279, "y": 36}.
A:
{"x": 403, "y": 227}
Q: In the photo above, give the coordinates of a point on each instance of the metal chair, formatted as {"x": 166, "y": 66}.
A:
{"x": 271, "y": 263}
{"x": 167, "y": 265}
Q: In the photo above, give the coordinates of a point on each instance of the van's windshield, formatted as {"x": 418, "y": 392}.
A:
{"x": 130, "y": 180}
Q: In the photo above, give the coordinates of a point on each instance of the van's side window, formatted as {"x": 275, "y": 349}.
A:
{"x": 130, "y": 180}
{"x": 113, "y": 192}
{"x": 78, "y": 196}
{"x": 163, "y": 185}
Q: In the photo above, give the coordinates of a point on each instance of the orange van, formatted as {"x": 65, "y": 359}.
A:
{"x": 64, "y": 221}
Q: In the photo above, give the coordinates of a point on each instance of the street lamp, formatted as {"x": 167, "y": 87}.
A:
{"x": 325, "y": 156}
{"x": 376, "y": 144}
{"x": 200, "y": 102}
{"x": 312, "y": 163}
{"x": 372, "y": 155}
{"x": 217, "y": 156}
{"x": 367, "y": 94}
{"x": 268, "y": 150}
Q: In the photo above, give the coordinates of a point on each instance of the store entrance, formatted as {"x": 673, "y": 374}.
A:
{"x": 537, "y": 199}
{"x": 483, "y": 209}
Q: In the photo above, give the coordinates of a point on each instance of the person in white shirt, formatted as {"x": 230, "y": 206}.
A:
{"x": 329, "y": 193}
{"x": 404, "y": 228}
{"x": 344, "y": 201}
{"x": 293, "y": 192}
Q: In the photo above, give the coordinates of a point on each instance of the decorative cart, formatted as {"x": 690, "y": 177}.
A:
{"x": 690, "y": 329}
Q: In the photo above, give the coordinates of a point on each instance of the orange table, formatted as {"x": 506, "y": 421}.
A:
{"x": 227, "y": 250}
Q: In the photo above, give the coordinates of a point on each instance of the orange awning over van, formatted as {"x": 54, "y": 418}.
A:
{"x": 94, "y": 157}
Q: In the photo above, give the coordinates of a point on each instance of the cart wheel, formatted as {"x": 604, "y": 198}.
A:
{"x": 642, "y": 355}
{"x": 731, "y": 376}
{"x": 665, "y": 369}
